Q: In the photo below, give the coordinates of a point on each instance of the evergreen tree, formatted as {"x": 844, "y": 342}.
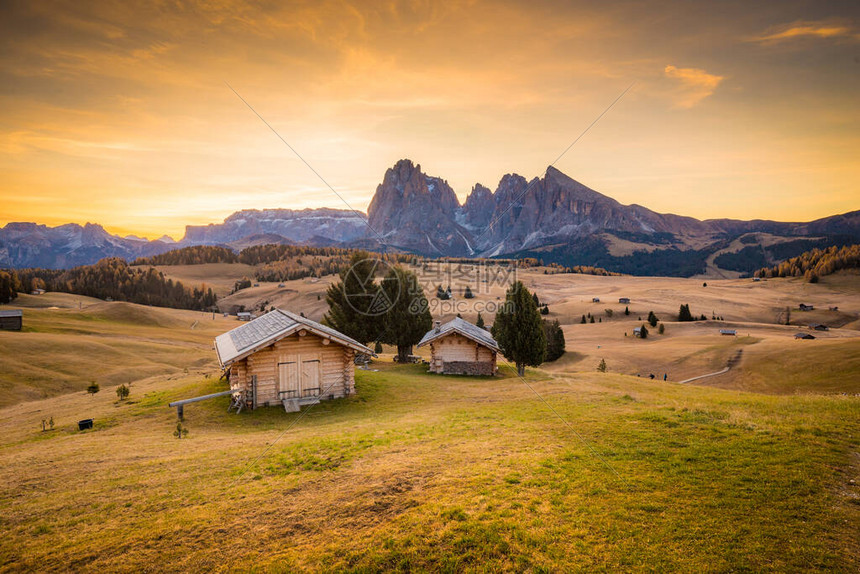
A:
{"x": 377, "y": 348}
{"x": 684, "y": 314}
{"x": 626, "y": 310}
{"x": 518, "y": 329}
{"x": 408, "y": 318}
{"x": 652, "y": 319}
{"x": 662, "y": 329}
{"x": 601, "y": 368}
{"x": 480, "y": 321}
{"x": 467, "y": 294}
{"x": 356, "y": 304}
{"x": 592, "y": 319}
{"x": 537, "y": 301}
{"x": 583, "y": 321}
{"x": 544, "y": 310}
{"x": 554, "y": 340}
{"x": 643, "y": 334}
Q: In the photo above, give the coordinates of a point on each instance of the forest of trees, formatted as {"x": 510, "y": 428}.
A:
{"x": 816, "y": 263}
{"x": 10, "y": 285}
{"x": 113, "y": 277}
{"x": 194, "y": 255}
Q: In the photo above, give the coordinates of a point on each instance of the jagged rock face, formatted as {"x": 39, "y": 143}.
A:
{"x": 417, "y": 212}
{"x": 299, "y": 226}
{"x": 478, "y": 208}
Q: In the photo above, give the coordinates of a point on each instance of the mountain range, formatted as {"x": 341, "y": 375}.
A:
{"x": 555, "y": 218}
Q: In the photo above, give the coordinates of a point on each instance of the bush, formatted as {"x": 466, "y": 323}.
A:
{"x": 662, "y": 329}
{"x": 93, "y": 388}
{"x": 122, "y": 392}
{"x": 601, "y": 368}
{"x": 377, "y": 348}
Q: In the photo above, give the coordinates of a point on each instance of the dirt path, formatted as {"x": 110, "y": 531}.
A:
{"x": 736, "y": 358}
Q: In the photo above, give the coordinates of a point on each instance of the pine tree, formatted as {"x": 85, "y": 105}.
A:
{"x": 518, "y": 329}
{"x": 408, "y": 318}
{"x": 601, "y": 367}
{"x": 662, "y": 329}
{"x": 467, "y": 294}
{"x": 544, "y": 310}
{"x": 643, "y": 333}
{"x": 377, "y": 348}
{"x": 583, "y": 321}
{"x": 480, "y": 321}
{"x": 626, "y": 310}
{"x": 554, "y": 340}
{"x": 356, "y": 303}
{"x": 652, "y": 319}
{"x": 684, "y": 314}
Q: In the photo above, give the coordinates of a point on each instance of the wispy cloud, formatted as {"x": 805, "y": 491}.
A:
{"x": 804, "y": 29}
{"x": 694, "y": 85}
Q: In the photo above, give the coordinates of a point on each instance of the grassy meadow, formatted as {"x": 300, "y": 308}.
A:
{"x": 754, "y": 470}
{"x": 436, "y": 473}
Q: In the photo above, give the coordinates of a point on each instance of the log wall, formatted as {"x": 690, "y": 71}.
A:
{"x": 336, "y": 368}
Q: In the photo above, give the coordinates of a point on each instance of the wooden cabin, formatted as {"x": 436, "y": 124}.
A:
{"x": 461, "y": 348}
{"x": 729, "y": 332}
{"x": 803, "y": 336}
{"x": 281, "y": 358}
{"x": 624, "y": 300}
{"x": 11, "y": 319}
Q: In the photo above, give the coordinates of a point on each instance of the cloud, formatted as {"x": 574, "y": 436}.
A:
{"x": 694, "y": 85}
{"x": 802, "y": 29}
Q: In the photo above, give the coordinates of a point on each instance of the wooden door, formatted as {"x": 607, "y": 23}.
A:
{"x": 311, "y": 379}
{"x": 289, "y": 383}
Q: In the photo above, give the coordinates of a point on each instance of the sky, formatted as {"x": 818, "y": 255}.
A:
{"x": 125, "y": 114}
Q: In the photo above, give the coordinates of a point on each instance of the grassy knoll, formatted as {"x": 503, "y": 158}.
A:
{"x": 62, "y": 349}
{"x": 422, "y": 472}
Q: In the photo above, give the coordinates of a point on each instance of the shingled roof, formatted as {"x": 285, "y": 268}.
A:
{"x": 246, "y": 339}
{"x": 463, "y": 327}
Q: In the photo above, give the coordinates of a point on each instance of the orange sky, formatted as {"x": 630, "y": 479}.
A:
{"x": 120, "y": 115}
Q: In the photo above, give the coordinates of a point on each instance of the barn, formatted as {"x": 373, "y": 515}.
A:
{"x": 281, "y": 358}
{"x": 461, "y": 348}
{"x": 11, "y": 319}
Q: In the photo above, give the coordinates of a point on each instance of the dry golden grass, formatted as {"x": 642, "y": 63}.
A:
{"x": 422, "y": 472}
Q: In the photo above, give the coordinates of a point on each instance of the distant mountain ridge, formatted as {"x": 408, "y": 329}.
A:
{"x": 555, "y": 218}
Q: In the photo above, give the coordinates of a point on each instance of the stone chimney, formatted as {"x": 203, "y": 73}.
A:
{"x": 437, "y": 325}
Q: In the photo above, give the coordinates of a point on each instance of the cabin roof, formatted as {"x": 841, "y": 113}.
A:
{"x": 261, "y": 332}
{"x": 463, "y": 327}
{"x": 11, "y": 313}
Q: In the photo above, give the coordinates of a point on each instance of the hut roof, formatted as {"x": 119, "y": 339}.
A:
{"x": 242, "y": 341}
{"x": 11, "y": 313}
{"x": 463, "y": 327}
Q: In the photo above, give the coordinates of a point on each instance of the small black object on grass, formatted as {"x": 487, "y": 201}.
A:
{"x": 85, "y": 424}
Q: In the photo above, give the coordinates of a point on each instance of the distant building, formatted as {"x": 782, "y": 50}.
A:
{"x": 461, "y": 348}
{"x": 804, "y": 307}
{"x": 637, "y": 332}
{"x": 595, "y": 299}
{"x": 731, "y": 332}
{"x": 624, "y": 300}
{"x": 11, "y": 319}
{"x": 244, "y": 316}
{"x": 37, "y": 292}
{"x": 819, "y": 327}
{"x": 756, "y": 279}
{"x": 285, "y": 359}
{"x": 833, "y": 308}
{"x": 803, "y": 336}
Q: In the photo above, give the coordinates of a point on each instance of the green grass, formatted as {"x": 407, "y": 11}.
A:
{"x": 424, "y": 472}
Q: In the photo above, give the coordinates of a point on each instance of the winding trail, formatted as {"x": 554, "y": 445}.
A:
{"x": 732, "y": 362}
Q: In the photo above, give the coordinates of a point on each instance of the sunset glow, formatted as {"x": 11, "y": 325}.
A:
{"x": 122, "y": 115}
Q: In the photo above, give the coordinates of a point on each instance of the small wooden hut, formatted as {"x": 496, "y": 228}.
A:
{"x": 461, "y": 348}
{"x": 281, "y": 358}
{"x": 11, "y": 319}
